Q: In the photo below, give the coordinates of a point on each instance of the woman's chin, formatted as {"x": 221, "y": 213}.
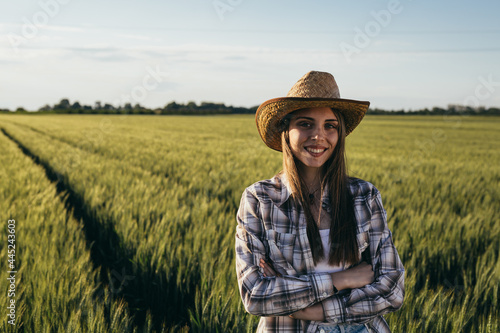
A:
{"x": 312, "y": 164}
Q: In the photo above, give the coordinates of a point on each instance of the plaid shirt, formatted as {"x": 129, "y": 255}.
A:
{"x": 272, "y": 227}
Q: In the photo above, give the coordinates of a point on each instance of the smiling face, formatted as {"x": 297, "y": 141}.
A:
{"x": 313, "y": 135}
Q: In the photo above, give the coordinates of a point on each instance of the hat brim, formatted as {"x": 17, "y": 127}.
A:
{"x": 270, "y": 113}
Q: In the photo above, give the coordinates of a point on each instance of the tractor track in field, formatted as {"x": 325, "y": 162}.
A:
{"x": 82, "y": 148}
{"x": 99, "y": 153}
{"x": 120, "y": 277}
{"x": 219, "y": 197}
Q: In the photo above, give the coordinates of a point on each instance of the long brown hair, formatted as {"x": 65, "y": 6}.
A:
{"x": 343, "y": 243}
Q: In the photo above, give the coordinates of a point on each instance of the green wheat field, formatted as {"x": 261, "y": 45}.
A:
{"x": 126, "y": 223}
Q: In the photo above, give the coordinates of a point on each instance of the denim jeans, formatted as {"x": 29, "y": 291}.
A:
{"x": 355, "y": 328}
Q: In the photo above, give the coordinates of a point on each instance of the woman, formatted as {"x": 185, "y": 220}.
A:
{"x": 313, "y": 251}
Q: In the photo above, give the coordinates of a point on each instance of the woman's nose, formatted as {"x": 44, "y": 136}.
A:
{"x": 317, "y": 134}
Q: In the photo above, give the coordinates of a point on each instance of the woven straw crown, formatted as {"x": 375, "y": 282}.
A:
{"x": 315, "y": 85}
{"x": 315, "y": 89}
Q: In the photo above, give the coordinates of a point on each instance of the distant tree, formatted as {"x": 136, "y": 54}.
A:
{"x": 45, "y": 108}
{"x": 437, "y": 110}
{"x": 137, "y": 109}
{"x": 62, "y": 105}
{"x": 470, "y": 110}
{"x": 452, "y": 109}
{"x": 172, "y": 106}
{"x": 127, "y": 108}
{"x": 76, "y": 108}
{"x": 493, "y": 111}
{"x": 109, "y": 107}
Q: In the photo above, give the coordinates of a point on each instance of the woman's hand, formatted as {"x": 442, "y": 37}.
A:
{"x": 355, "y": 277}
{"x": 268, "y": 269}
{"x": 314, "y": 312}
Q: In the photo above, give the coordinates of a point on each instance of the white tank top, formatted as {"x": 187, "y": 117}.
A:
{"x": 323, "y": 266}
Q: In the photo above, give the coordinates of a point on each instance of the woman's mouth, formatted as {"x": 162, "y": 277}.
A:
{"x": 316, "y": 151}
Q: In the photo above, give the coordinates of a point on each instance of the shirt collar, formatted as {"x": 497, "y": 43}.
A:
{"x": 286, "y": 191}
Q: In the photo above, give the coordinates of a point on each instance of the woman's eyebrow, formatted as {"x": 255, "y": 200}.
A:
{"x": 307, "y": 118}
{"x": 312, "y": 119}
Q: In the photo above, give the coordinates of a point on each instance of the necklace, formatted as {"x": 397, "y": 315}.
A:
{"x": 311, "y": 196}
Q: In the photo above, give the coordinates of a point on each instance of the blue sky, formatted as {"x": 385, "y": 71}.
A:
{"x": 396, "y": 54}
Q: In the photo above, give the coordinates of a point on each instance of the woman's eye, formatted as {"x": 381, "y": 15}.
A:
{"x": 330, "y": 126}
{"x": 304, "y": 124}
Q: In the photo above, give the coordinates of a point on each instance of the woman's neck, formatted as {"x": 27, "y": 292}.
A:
{"x": 311, "y": 177}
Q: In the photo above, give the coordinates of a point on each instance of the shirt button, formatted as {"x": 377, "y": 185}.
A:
{"x": 335, "y": 320}
{"x": 325, "y": 294}
{"x": 279, "y": 244}
{"x": 322, "y": 331}
{"x": 365, "y": 244}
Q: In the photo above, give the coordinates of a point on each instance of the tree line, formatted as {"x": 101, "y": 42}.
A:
{"x": 207, "y": 108}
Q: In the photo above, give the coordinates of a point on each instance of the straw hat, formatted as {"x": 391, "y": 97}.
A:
{"x": 315, "y": 89}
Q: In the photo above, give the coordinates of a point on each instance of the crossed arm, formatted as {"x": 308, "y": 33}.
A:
{"x": 355, "y": 277}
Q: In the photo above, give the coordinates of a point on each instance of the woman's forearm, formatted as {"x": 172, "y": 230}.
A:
{"x": 314, "y": 312}
{"x": 355, "y": 277}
